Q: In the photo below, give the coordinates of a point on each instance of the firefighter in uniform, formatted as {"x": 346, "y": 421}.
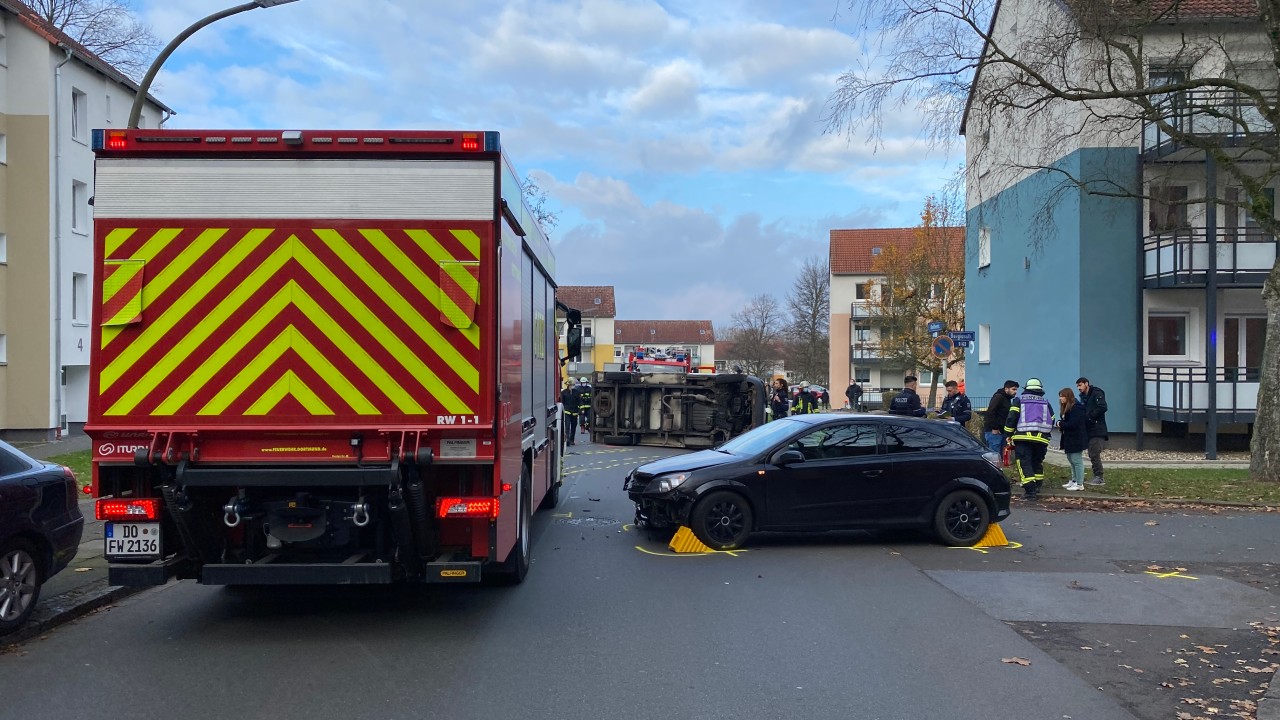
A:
{"x": 569, "y": 399}
{"x": 1029, "y": 425}
{"x": 584, "y": 404}
{"x": 805, "y": 403}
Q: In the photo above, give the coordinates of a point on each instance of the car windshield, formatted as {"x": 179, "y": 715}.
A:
{"x": 762, "y": 438}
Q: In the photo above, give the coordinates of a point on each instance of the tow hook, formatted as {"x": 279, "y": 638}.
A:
{"x": 233, "y": 508}
{"x": 360, "y": 513}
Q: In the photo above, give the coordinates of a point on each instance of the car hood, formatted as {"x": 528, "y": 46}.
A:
{"x": 692, "y": 461}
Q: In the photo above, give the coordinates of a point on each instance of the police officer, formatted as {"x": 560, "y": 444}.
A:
{"x": 584, "y": 404}
{"x": 569, "y": 399}
{"x": 1029, "y": 425}
{"x": 907, "y": 402}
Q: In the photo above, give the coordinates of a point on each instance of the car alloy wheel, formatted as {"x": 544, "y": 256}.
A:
{"x": 962, "y": 518}
{"x": 19, "y": 585}
{"x": 722, "y": 520}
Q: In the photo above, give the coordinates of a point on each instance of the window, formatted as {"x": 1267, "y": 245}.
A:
{"x": 4, "y": 248}
{"x": 984, "y": 247}
{"x": 4, "y": 43}
{"x": 4, "y": 348}
{"x": 862, "y": 375}
{"x": 79, "y": 298}
{"x": 841, "y": 441}
{"x": 12, "y": 465}
{"x": 79, "y": 115}
{"x": 862, "y": 333}
{"x": 899, "y": 439}
{"x": 79, "y": 207}
{"x": 617, "y": 352}
{"x": 984, "y": 342}
{"x": 598, "y": 301}
{"x": 1167, "y": 208}
{"x": 4, "y": 149}
{"x": 586, "y": 331}
{"x": 106, "y": 107}
{"x": 860, "y": 292}
{"x": 1167, "y": 335}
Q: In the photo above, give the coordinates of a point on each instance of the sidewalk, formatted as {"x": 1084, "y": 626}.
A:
{"x": 82, "y": 586}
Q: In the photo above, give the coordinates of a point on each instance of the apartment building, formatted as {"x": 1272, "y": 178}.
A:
{"x": 1144, "y": 273}
{"x": 856, "y": 329}
{"x": 53, "y": 92}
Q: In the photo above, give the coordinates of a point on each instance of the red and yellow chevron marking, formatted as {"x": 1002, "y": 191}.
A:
{"x": 293, "y": 321}
{"x": 122, "y": 292}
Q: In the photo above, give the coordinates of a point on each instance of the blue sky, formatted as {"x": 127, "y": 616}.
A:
{"x": 682, "y": 143}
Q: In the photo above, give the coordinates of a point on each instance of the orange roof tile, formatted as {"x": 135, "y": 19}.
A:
{"x": 663, "y": 332}
{"x": 853, "y": 251}
{"x": 595, "y": 301}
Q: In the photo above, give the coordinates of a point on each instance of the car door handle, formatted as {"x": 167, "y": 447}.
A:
{"x": 873, "y": 473}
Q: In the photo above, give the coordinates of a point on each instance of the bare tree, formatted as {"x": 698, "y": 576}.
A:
{"x": 919, "y": 284}
{"x": 756, "y": 335}
{"x": 106, "y": 27}
{"x": 536, "y": 198}
{"x": 809, "y": 310}
{"x": 1097, "y": 73}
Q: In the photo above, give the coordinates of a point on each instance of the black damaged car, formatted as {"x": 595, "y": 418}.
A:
{"x": 835, "y": 471}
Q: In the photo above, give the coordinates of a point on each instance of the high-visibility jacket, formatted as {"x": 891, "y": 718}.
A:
{"x": 1030, "y": 418}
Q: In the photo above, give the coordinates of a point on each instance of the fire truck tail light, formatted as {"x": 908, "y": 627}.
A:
{"x": 134, "y": 509}
{"x": 468, "y": 507}
{"x": 470, "y": 141}
{"x": 117, "y": 141}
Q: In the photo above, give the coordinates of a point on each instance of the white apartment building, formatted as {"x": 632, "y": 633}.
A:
{"x": 53, "y": 93}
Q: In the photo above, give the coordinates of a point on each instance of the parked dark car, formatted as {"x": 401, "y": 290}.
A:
{"x": 828, "y": 472}
{"x": 40, "y": 529}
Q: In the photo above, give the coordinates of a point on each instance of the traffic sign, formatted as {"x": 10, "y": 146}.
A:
{"x": 943, "y": 345}
{"x": 935, "y": 326}
{"x": 962, "y": 335}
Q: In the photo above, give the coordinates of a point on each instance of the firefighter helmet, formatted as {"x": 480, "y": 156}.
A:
{"x": 583, "y": 379}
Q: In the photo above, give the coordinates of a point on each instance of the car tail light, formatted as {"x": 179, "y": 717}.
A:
{"x": 467, "y": 507}
{"x": 133, "y": 509}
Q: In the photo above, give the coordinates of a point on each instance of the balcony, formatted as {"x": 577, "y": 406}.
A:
{"x": 865, "y": 353}
{"x": 1181, "y": 394}
{"x": 1245, "y": 257}
{"x": 862, "y": 310}
{"x": 1230, "y": 118}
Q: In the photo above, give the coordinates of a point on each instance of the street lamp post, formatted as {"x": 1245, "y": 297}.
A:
{"x": 136, "y": 111}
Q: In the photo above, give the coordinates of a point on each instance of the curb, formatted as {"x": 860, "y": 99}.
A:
{"x": 64, "y": 608}
{"x": 1163, "y": 501}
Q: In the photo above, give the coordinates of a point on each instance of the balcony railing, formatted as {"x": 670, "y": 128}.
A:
{"x": 1230, "y": 117}
{"x": 1244, "y": 257}
{"x": 862, "y": 310}
{"x": 1181, "y": 394}
{"x": 865, "y": 352}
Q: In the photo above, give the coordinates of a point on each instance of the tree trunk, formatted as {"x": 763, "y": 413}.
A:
{"x": 1264, "y": 460}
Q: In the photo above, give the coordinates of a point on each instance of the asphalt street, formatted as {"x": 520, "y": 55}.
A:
{"x": 1085, "y": 615}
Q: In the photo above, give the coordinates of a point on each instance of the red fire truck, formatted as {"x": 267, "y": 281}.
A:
{"x": 319, "y": 357}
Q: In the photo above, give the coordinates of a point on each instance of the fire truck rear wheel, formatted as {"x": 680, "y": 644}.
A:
{"x": 516, "y": 566}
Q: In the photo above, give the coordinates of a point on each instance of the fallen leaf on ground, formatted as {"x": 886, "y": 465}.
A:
{"x": 83, "y": 569}
{"x": 1149, "y": 523}
{"x": 1207, "y": 650}
{"x": 1016, "y": 661}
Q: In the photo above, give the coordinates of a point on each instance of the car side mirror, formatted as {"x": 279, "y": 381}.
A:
{"x": 788, "y": 457}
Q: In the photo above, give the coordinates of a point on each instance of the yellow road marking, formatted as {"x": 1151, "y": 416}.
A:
{"x": 698, "y": 554}
{"x": 1174, "y": 574}
{"x": 1011, "y": 546}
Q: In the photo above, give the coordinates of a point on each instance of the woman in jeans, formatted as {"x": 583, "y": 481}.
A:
{"x": 1074, "y": 438}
